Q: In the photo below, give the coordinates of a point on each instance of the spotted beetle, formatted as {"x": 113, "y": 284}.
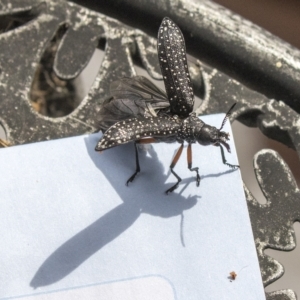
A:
{"x": 141, "y": 112}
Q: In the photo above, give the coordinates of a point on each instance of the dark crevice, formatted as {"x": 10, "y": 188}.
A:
{"x": 50, "y": 95}
{"x": 101, "y": 44}
{"x": 250, "y": 117}
{"x": 15, "y": 20}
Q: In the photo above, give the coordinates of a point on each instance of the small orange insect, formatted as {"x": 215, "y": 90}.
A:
{"x": 233, "y": 275}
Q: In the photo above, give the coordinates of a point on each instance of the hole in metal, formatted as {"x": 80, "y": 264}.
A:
{"x": 2, "y": 133}
{"x": 54, "y": 97}
{"x": 248, "y": 142}
{"x": 49, "y": 95}
{"x": 88, "y": 75}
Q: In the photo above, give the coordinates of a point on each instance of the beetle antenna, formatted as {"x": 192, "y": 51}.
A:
{"x": 227, "y": 116}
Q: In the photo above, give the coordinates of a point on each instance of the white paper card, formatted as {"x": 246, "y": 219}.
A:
{"x": 71, "y": 229}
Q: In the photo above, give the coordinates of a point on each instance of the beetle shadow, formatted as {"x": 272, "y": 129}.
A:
{"x": 185, "y": 182}
{"x": 144, "y": 195}
{"x": 147, "y": 191}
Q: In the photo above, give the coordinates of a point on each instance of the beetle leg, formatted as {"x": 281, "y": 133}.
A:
{"x": 138, "y": 169}
{"x": 225, "y": 161}
{"x": 174, "y": 162}
{"x": 189, "y": 160}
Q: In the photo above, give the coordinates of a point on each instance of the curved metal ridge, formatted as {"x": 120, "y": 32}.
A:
{"x": 221, "y": 38}
{"x": 273, "y": 227}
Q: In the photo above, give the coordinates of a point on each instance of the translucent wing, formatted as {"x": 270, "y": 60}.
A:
{"x": 132, "y": 97}
{"x": 173, "y": 64}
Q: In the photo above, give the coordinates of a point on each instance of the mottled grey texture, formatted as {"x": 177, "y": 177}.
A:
{"x": 221, "y": 38}
{"x": 272, "y": 223}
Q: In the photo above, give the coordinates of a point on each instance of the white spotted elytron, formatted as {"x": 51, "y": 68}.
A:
{"x": 139, "y": 111}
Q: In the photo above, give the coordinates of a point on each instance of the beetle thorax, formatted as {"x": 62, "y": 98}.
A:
{"x": 189, "y": 129}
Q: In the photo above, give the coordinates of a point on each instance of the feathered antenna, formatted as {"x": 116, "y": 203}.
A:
{"x": 227, "y": 116}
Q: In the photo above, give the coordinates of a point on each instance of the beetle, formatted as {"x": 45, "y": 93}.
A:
{"x": 141, "y": 112}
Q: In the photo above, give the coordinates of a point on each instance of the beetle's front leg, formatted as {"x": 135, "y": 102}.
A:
{"x": 189, "y": 160}
{"x": 225, "y": 161}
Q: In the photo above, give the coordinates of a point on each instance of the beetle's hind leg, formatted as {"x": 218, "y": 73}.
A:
{"x": 189, "y": 160}
{"x": 174, "y": 162}
{"x": 138, "y": 169}
{"x": 225, "y": 161}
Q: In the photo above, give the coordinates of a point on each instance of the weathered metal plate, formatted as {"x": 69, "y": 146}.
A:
{"x": 261, "y": 60}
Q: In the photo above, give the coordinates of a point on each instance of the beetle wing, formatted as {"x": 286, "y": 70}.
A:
{"x": 139, "y": 128}
{"x": 131, "y": 97}
{"x": 137, "y": 85}
{"x": 173, "y": 64}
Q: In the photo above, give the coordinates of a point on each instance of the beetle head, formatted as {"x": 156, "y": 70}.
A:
{"x": 222, "y": 138}
{"x": 209, "y": 135}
